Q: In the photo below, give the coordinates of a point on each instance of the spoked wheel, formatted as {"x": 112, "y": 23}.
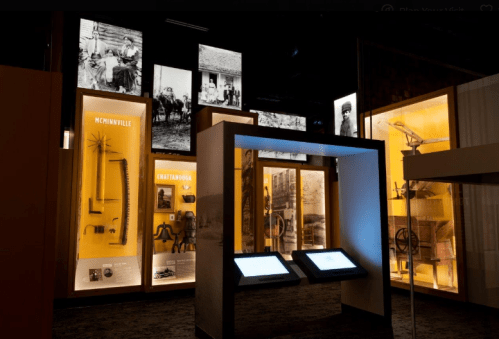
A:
{"x": 276, "y": 226}
{"x": 402, "y": 241}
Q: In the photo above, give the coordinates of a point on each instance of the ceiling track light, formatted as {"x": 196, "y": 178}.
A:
{"x": 180, "y": 23}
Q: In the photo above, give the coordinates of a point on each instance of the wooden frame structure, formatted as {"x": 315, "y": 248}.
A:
{"x": 456, "y": 189}
{"x": 361, "y": 168}
{"x": 76, "y": 188}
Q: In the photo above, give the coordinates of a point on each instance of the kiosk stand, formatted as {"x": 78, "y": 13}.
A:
{"x": 363, "y": 216}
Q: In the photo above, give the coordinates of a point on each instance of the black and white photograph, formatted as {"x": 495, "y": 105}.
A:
{"x": 165, "y": 199}
{"x": 95, "y": 274}
{"x": 248, "y": 203}
{"x": 345, "y": 116}
{"x": 108, "y": 273}
{"x": 284, "y": 121}
{"x": 171, "y": 109}
{"x": 110, "y": 58}
{"x": 220, "y": 80}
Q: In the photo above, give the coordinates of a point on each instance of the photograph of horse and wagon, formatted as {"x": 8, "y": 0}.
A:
{"x": 171, "y": 109}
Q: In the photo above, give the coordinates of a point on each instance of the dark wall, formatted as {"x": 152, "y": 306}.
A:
{"x": 293, "y": 62}
{"x": 392, "y": 76}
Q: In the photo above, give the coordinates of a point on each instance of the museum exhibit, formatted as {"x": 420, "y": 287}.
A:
{"x": 436, "y": 236}
{"x": 351, "y": 192}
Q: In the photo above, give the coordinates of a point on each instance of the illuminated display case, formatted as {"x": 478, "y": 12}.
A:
{"x": 111, "y": 142}
{"x": 172, "y": 223}
{"x": 421, "y": 125}
{"x": 291, "y": 202}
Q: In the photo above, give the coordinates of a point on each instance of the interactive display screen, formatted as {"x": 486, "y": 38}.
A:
{"x": 326, "y": 265}
{"x": 257, "y": 270}
{"x": 260, "y": 266}
{"x": 330, "y": 260}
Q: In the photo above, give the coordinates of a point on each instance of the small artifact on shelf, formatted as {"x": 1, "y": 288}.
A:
{"x": 189, "y": 198}
{"x": 165, "y": 235}
{"x": 190, "y": 231}
{"x": 97, "y": 229}
{"x": 179, "y": 215}
{"x": 125, "y": 208}
{"x": 91, "y": 207}
{"x": 164, "y": 274}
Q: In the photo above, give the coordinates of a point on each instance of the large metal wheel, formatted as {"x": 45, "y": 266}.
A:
{"x": 402, "y": 241}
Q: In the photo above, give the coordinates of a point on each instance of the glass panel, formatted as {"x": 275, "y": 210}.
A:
{"x": 421, "y": 128}
{"x": 109, "y": 226}
{"x": 244, "y": 201}
{"x": 314, "y": 209}
{"x": 174, "y": 227}
{"x": 280, "y": 210}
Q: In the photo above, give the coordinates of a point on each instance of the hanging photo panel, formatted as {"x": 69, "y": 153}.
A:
{"x": 110, "y": 58}
{"x": 171, "y": 112}
{"x": 345, "y": 116}
{"x": 284, "y": 121}
{"x": 220, "y": 78}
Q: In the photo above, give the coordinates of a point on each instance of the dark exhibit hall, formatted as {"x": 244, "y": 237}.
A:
{"x": 250, "y": 174}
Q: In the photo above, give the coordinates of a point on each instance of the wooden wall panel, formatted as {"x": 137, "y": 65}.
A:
{"x": 29, "y": 142}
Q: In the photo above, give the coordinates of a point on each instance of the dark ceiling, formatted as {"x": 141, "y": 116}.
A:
{"x": 310, "y": 57}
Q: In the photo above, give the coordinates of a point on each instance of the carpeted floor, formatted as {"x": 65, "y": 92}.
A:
{"x": 310, "y": 311}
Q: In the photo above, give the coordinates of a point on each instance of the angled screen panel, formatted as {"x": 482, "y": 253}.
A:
{"x": 328, "y": 265}
{"x": 263, "y": 269}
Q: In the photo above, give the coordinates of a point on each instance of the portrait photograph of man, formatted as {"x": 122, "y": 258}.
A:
{"x": 345, "y": 116}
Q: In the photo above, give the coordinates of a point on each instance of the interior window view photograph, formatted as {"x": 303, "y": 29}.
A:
{"x": 250, "y": 174}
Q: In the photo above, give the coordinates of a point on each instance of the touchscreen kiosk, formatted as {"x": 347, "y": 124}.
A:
{"x": 263, "y": 269}
{"x": 328, "y": 265}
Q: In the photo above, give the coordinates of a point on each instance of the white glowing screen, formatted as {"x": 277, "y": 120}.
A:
{"x": 330, "y": 260}
{"x": 257, "y": 266}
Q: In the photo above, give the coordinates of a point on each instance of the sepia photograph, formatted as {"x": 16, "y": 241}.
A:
{"x": 345, "y": 116}
{"x": 110, "y": 58}
{"x": 220, "y": 80}
{"x": 171, "y": 109}
{"x": 165, "y": 199}
{"x": 284, "y": 121}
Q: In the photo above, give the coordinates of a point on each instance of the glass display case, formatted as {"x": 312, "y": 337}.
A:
{"x": 110, "y": 170}
{"x": 291, "y": 209}
{"x": 421, "y": 126}
{"x": 279, "y": 223}
{"x": 173, "y": 228}
{"x": 313, "y": 201}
